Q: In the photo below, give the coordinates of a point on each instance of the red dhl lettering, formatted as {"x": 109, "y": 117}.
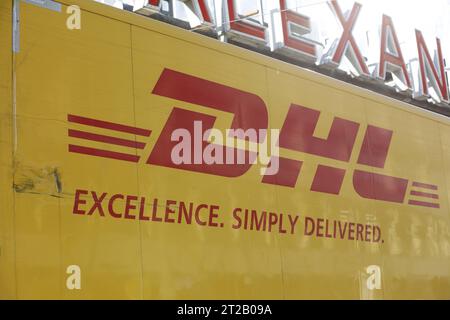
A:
{"x": 250, "y": 112}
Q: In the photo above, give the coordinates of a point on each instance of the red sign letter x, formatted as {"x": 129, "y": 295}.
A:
{"x": 347, "y": 42}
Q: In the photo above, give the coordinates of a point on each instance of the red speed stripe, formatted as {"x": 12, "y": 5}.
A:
{"x": 106, "y": 139}
{"x": 103, "y": 153}
{"x": 425, "y": 186}
{"x": 424, "y": 194}
{"x": 108, "y": 125}
{"x": 424, "y": 204}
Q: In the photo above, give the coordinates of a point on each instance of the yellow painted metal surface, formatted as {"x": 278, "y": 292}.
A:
{"x": 7, "y": 239}
{"x": 107, "y": 71}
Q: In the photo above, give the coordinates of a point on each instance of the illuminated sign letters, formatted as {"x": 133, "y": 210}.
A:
{"x": 257, "y": 30}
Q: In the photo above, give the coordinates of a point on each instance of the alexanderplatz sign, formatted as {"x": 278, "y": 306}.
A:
{"x": 297, "y": 42}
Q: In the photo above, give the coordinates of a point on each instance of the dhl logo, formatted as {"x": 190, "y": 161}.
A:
{"x": 250, "y": 112}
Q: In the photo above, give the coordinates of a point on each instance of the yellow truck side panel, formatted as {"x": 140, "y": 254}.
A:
{"x": 66, "y": 65}
{"x": 107, "y": 70}
{"x": 7, "y": 239}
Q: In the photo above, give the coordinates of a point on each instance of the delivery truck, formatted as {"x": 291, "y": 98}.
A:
{"x": 119, "y": 180}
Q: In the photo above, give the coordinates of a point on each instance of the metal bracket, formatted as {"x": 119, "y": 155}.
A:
{"x": 16, "y": 26}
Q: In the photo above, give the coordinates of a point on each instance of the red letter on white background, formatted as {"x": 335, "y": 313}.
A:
{"x": 391, "y": 61}
{"x": 154, "y": 3}
{"x": 288, "y": 18}
{"x": 428, "y": 70}
{"x": 347, "y": 42}
{"x": 204, "y": 11}
{"x": 242, "y": 26}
